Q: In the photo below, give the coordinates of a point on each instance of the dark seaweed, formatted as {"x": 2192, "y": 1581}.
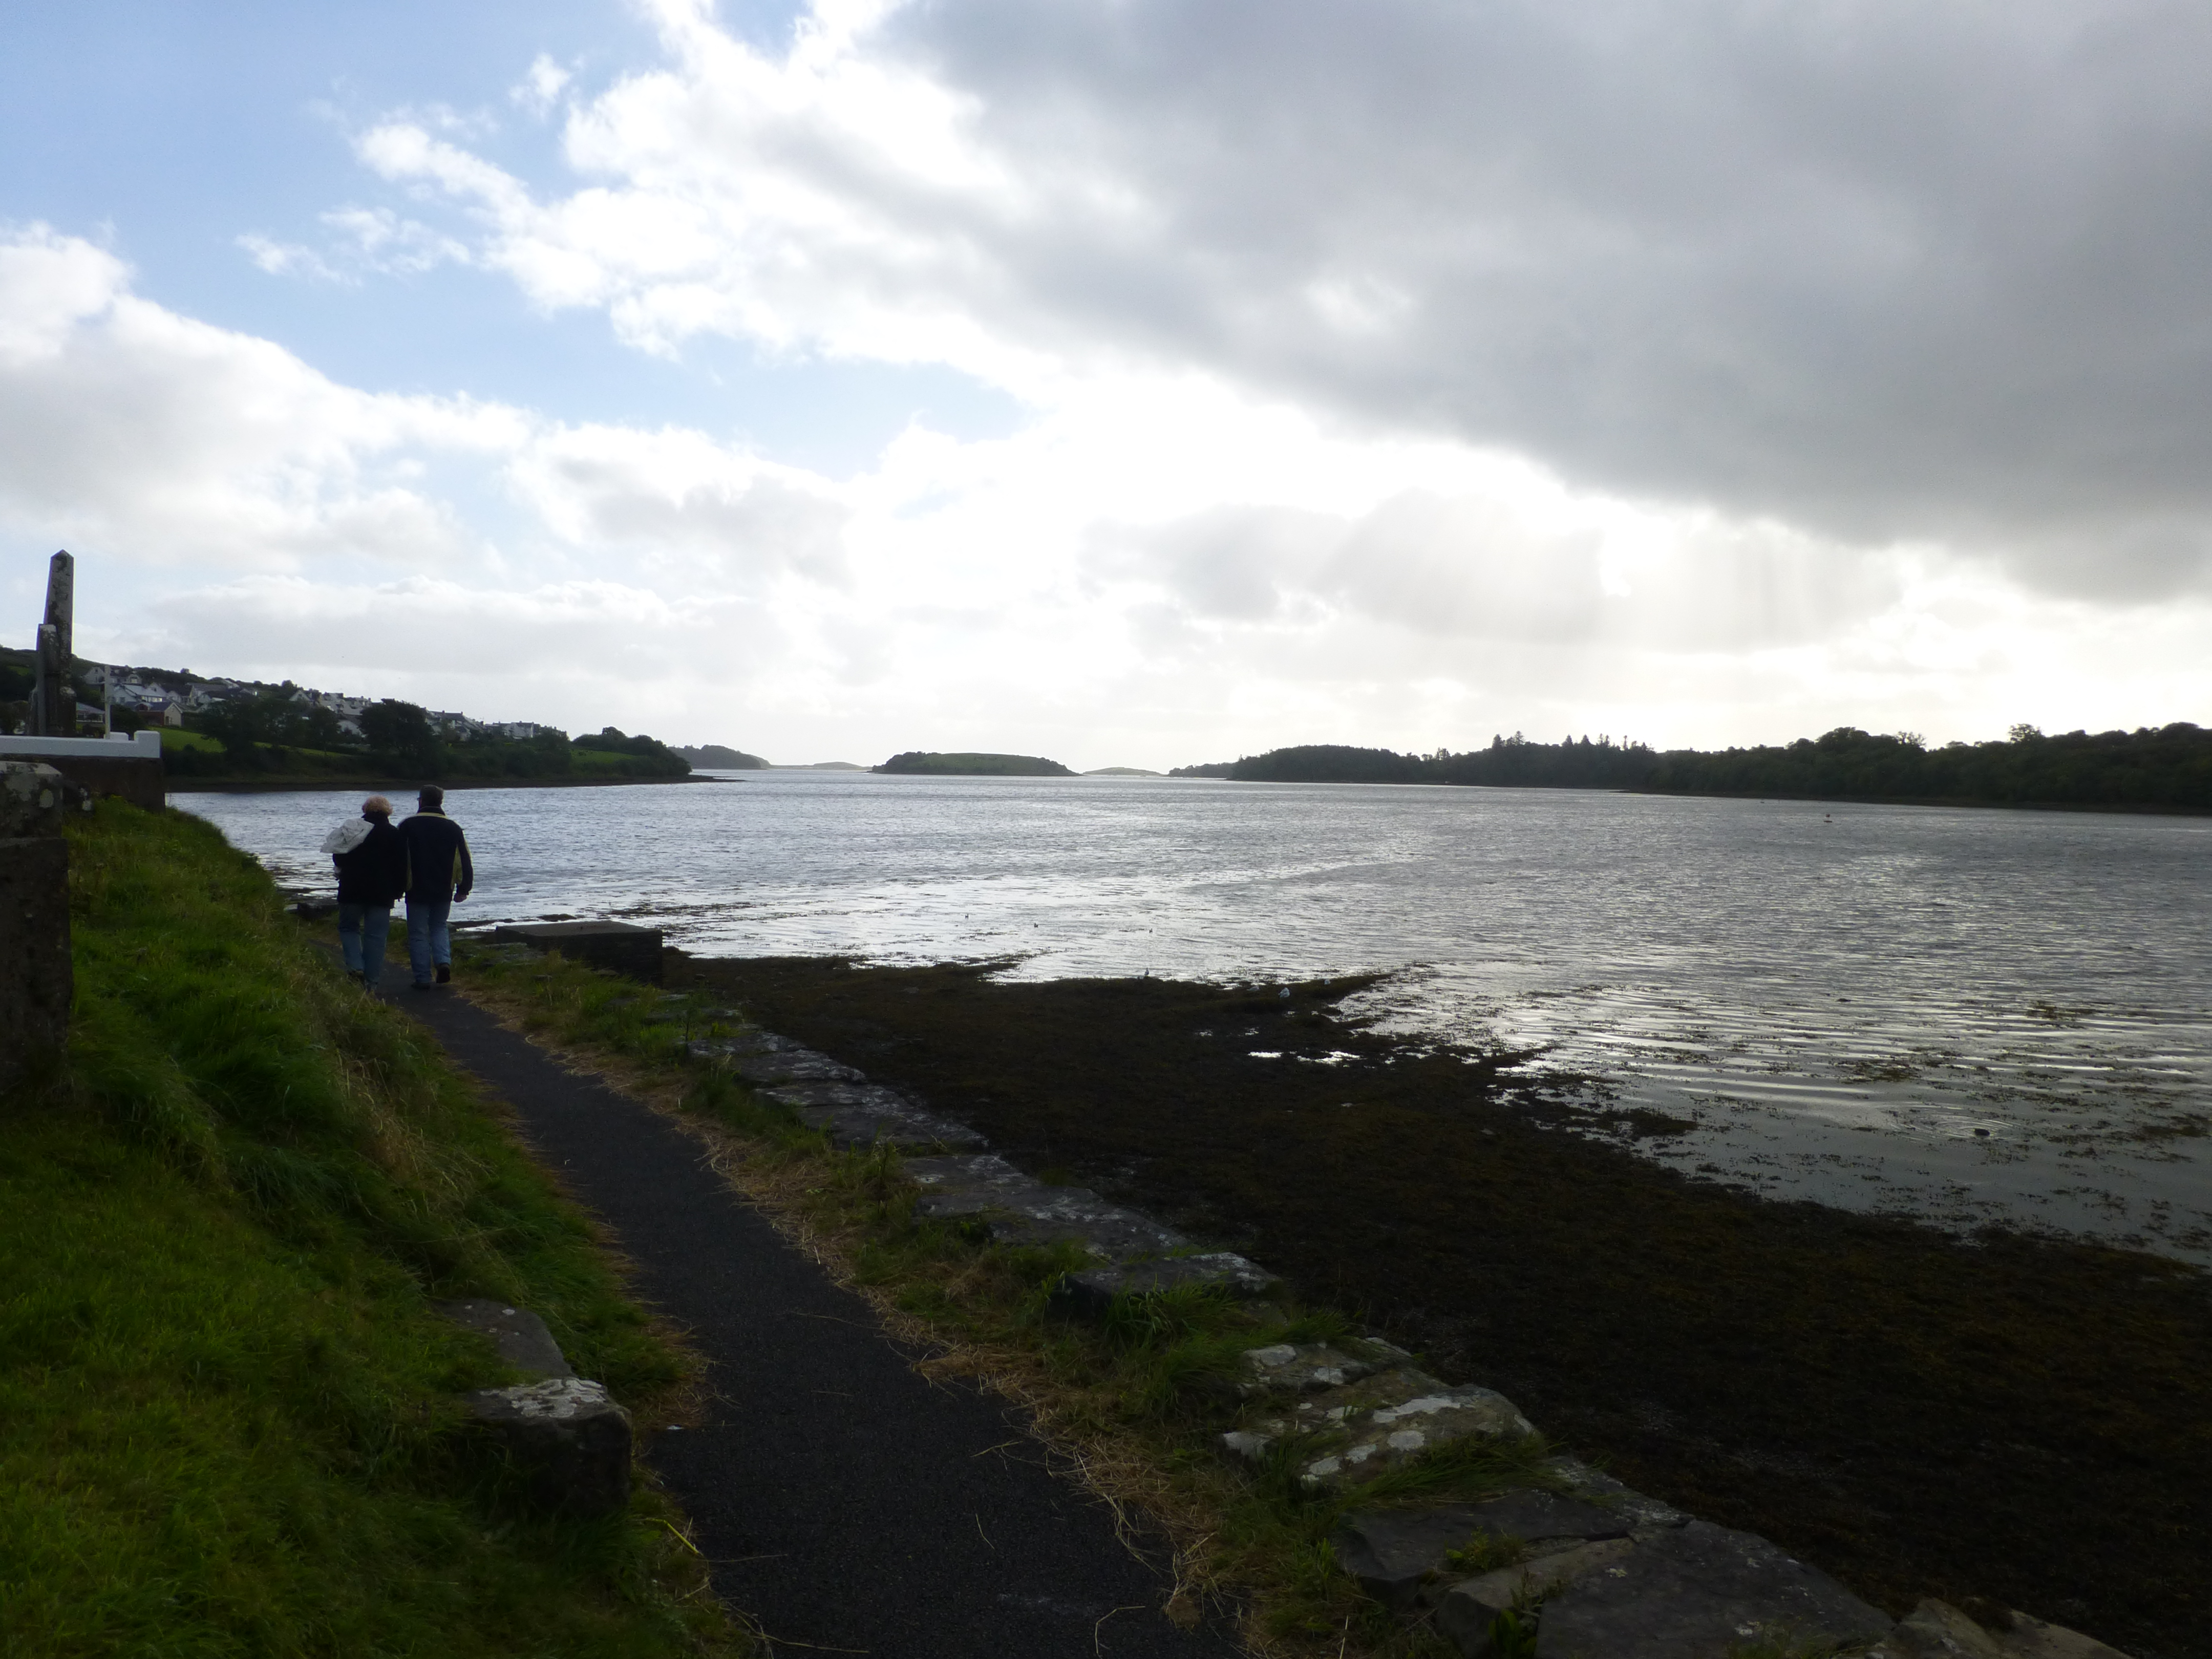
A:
{"x": 1996, "y": 1419}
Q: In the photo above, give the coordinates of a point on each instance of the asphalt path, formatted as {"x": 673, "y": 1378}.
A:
{"x": 845, "y": 1503}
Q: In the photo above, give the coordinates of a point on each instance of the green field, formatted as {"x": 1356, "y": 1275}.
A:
{"x": 227, "y": 1415}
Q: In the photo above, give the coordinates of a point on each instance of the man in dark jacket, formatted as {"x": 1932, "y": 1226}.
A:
{"x": 439, "y": 874}
{"x": 372, "y": 875}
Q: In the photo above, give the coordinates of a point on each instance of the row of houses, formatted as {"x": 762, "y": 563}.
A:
{"x": 158, "y": 702}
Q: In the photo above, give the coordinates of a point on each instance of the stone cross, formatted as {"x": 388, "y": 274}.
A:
{"x": 53, "y": 703}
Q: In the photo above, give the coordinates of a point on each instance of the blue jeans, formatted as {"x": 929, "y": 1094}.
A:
{"x": 428, "y": 945}
{"x": 362, "y": 930}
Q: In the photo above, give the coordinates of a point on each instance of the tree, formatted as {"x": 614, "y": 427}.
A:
{"x": 403, "y": 732}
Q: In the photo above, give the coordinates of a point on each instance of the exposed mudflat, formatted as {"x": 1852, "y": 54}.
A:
{"x": 2019, "y": 1419}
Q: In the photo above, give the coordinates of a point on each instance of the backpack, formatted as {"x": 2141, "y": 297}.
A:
{"x": 347, "y": 836}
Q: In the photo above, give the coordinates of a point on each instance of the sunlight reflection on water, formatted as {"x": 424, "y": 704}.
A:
{"x": 1965, "y": 1015}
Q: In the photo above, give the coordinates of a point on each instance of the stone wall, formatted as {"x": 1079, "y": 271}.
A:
{"x": 35, "y": 979}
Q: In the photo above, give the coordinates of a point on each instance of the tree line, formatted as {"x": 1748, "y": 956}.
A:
{"x": 2163, "y": 767}
{"x": 278, "y": 731}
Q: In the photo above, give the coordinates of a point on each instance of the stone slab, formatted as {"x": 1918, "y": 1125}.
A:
{"x": 569, "y": 1442}
{"x": 1019, "y": 1209}
{"x": 1310, "y": 1367}
{"x": 964, "y": 1184}
{"x": 2030, "y": 1638}
{"x": 1078, "y": 1216}
{"x": 868, "y": 1114}
{"x": 1936, "y": 1630}
{"x": 792, "y": 1066}
{"x": 1468, "y": 1613}
{"x": 621, "y": 947}
{"x": 1091, "y": 1291}
{"x": 1378, "y": 1424}
{"x": 520, "y": 1336}
{"x": 1692, "y": 1592}
{"x": 1393, "y": 1553}
{"x": 1607, "y": 1493}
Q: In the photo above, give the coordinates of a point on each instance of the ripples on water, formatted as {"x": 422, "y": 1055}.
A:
{"x": 1968, "y": 1015}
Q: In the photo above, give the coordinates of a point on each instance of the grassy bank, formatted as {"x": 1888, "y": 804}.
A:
{"x": 1134, "y": 1405}
{"x": 228, "y": 1415}
{"x": 2020, "y": 1420}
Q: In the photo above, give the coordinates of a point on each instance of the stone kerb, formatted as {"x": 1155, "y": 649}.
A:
{"x": 1592, "y": 1569}
{"x": 35, "y": 978}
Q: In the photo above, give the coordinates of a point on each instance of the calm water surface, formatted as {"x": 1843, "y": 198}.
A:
{"x": 1964, "y": 1015}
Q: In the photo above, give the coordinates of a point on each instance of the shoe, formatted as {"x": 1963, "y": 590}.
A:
{"x": 445, "y": 975}
{"x": 355, "y": 975}
{"x": 422, "y": 984}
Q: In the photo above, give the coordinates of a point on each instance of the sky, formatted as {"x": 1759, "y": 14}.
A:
{"x": 1132, "y": 383}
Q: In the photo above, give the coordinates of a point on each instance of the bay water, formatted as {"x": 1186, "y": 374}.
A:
{"x": 1967, "y": 1016}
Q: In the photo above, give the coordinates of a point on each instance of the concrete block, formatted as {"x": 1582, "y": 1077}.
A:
{"x": 569, "y": 1441}
{"x": 618, "y": 946}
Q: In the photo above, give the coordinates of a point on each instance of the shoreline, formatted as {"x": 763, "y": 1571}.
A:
{"x": 309, "y": 785}
{"x": 2006, "y": 1416}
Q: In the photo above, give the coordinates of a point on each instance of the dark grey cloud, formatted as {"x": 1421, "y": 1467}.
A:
{"x": 1887, "y": 270}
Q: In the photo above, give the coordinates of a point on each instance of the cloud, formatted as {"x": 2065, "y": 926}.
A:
{"x": 49, "y": 285}
{"x": 1881, "y": 272}
{"x": 677, "y": 496}
{"x": 1155, "y": 569}
{"x": 542, "y": 86}
{"x": 123, "y": 424}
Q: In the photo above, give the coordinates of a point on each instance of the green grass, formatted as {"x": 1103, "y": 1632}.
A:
{"x": 1139, "y": 1398}
{"x": 227, "y": 1415}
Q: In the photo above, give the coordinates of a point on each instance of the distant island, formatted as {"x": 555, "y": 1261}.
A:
{"x": 2158, "y": 768}
{"x": 720, "y": 759}
{"x": 824, "y": 766}
{"x": 974, "y": 766}
{"x": 1121, "y": 772}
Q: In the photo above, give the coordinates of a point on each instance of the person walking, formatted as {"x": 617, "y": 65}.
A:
{"x": 439, "y": 874}
{"x": 372, "y": 866}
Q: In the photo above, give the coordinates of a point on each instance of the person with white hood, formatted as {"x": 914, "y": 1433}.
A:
{"x": 372, "y": 866}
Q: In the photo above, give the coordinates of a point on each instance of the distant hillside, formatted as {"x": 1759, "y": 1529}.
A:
{"x": 2166, "y": 767}
{"x": 1121, "y": 772}
{"x": 974, "y": 766}
{"x": 721, "y": 758}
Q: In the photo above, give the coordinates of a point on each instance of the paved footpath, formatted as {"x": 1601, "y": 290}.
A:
{"x": 847, "y": 1503}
